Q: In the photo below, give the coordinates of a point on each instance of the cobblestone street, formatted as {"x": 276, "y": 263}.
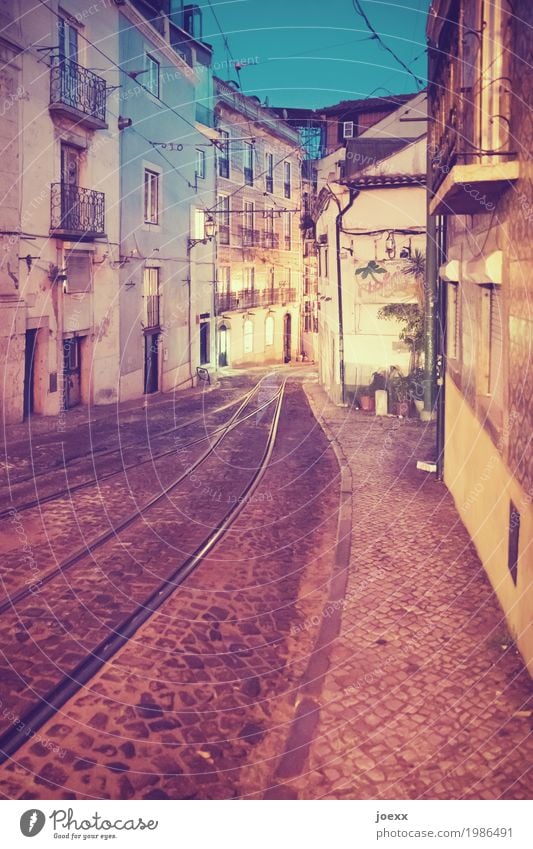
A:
{"x": 340, "y": 641}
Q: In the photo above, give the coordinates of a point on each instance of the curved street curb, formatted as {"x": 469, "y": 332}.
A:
{"x": 307, "y": 714}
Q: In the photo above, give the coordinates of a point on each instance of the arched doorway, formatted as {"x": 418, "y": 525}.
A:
{"x": 287, "y": 338}
{"x": 223, "y": 345}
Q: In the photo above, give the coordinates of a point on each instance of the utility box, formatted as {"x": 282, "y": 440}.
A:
{"x": 382, "y": 402}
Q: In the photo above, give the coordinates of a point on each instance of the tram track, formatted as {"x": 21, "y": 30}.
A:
{"x": 32, "y": 718}
{"x": 68, "y": 490}
{"x": 62, "y": 465}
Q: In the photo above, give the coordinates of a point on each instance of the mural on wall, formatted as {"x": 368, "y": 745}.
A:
{"x": 383, "y": 283}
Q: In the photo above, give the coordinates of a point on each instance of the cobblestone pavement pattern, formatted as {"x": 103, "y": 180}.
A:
{"x": 425, "y": 695}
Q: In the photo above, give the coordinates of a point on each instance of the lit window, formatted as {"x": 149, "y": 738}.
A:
{"x": 248, "y": 336}
{"x": 151, "y": 197}
{"x": 152, "y": 75}
{"x": 200, "y": 164}
{"x": 269, "y": 330}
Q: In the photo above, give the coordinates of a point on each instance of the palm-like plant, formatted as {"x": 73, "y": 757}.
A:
{"x": 415, "y": 267}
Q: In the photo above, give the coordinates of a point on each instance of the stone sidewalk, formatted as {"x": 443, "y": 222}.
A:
{"x": 425, "y": 695}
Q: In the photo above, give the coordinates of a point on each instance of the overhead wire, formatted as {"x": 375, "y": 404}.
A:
{"x": 376, "y": 36}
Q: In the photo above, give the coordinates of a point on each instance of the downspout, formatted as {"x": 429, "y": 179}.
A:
{"x": 338, "y": 230}
{"x": 441, "y": 352}
{"x": 430, "y": 323}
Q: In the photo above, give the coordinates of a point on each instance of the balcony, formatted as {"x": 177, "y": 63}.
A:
{"x": 471, "y": 160}
{"x": 247, "y": 299}
{"x": 76, "y": 213}
{"x": 270, "y": 240}
{"x": 250, "y": 238}
{"x": 78, "y": 94}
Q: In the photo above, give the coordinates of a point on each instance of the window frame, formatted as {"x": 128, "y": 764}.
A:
{"x": 224, "y": 218}
{"x": 154, "y": 177}
{"x": 201, "y": 168}
{"x": 151, "y": 62}
{"x": 248, "y": 336}
{"x": 287, "y": 179}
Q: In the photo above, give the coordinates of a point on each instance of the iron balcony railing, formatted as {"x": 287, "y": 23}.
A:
{"x": 78, "y": 92}
{"x": 76, "y": 211}
{"x": 250, "y": 237}
{"x": 270, "y": 240}
{"x": 249, "y": 298}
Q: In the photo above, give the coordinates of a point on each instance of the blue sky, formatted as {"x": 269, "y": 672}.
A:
{"x": 311, "y": 53}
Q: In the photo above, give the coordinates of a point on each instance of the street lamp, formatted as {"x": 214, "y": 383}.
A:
{"x": 208, "y": 231}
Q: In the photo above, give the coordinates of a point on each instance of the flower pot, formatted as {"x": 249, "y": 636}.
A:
{"x": 367, "y": 403}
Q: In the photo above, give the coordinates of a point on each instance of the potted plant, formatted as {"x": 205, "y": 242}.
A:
{"x": 366, "y": 399}
{"x": 399, "y": 397}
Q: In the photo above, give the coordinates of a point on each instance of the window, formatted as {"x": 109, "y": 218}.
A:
{"x": 223, "y": 159}
{"x": 152, "y": 75}
{"x": 452, "y": 322}
{"x": 249, "y": 279}
{"x": 200, "y": 164}
{"x": 514, "y": 539}
{"x": 248, "y": 229}
{"x": 205, "y": 355}
{"x": 269, "y": 330}
{"x": 224, "y": 278}
{"x": 151, "y": 297}
{"x": 287, "y": 179}
{"x": 248, "y": 336}
{"x": 269, "y": 175}
{"x": 347, "y": 130}
{"x": 287, "y": 235}
{"x": 323, "y": 261}
{"x": 248, "y": 163}
{"x": 270, "y": 235}
{"x": 68, "y": 41}
{"x": 151, "y": 197}
{"x": 79, "y": 271}
{"x": 308, "y": 317}
{"x": 199, "y": 224}
{"x": 223, "y": 215}
{"x": 491, "y": 345}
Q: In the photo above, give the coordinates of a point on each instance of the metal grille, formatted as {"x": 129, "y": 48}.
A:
{"x": 77, "y": 211}
{"x": 75, "y": 86}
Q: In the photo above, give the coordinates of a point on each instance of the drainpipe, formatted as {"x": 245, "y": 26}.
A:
{"x": 338, "y": 230}
{"x": 430, "y": 323}
{"x": 442, "y": 307}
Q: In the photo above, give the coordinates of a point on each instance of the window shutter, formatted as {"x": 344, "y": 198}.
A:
{"x": 79, "y": 272}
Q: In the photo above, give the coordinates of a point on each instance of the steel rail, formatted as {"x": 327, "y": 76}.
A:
{"x": 48, "y": 705}
{"x": 68, "y": 490}
{"x": 115, "y": 530}
{"x": 104, "y": 452}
